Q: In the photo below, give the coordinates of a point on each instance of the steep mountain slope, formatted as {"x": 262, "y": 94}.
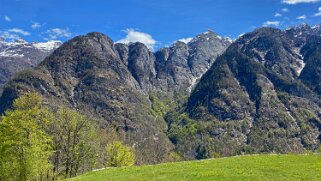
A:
{"x": 311, "y": 74}
{"x": 261, "y": 95}
{"x": 19, "y": 55}
{"x": 253, "y": 100}
{"x": 111, "y": 83}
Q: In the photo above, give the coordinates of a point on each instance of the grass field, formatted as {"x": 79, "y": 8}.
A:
{"x": 254, "y": 167}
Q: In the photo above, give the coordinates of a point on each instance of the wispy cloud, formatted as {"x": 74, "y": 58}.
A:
{"x": 9, "y": 36}
{"x": 302, "y": 17}
{"x": 137, "y": 36}
{"x": 285, "y": 9}
{"x": 271, "y": 23}
{"x": 277, "y": 15}
{"x": 299, "y": 1}
{"x": 19, "y": 31}
{"x": 318, "y": 13}
{"x": 13, "y": 34}
{"x": 56, "y": 33}
{"x": 36, "y": 25}
{"x": 7, "y": 18}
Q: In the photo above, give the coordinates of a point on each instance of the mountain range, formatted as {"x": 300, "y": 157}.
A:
{"x": 202, "y": 98}
{"x": 19, "y": 55}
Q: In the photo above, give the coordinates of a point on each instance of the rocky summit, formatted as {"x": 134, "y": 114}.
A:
{"x": 202, "y": 98}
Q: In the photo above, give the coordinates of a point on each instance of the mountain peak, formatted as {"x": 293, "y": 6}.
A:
{"x": 47, "y": 46}
{"x": 96, "y": 34}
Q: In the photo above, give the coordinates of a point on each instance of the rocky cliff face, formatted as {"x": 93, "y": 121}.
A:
{"x": 19, "y": 55}
{"x": 262, "y": 95}
{"x": 176, "y": 68}
{"x": 182, "y": 65}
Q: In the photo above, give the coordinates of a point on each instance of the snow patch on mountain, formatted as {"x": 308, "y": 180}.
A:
{"x": 300, "y": 63}
{"x": 10, "y": 53}
{"x": 47, "y": 46}
{"x": 185, "y": 40}
{"x": 193, "y": 82}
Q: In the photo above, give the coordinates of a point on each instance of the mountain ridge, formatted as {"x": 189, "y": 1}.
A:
{"x": 198, "y": 99}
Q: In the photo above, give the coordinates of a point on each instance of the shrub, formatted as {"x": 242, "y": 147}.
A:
{"x": 119, "y": 155}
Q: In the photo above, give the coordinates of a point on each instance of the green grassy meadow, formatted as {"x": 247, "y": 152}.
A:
{"x": 253, "y": 167}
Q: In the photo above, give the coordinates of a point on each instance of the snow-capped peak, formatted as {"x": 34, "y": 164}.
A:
{"x": 47, "y": 46}
{"x": 20, "y": 47}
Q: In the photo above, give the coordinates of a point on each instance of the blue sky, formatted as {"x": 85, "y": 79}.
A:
{"x": 158, "y": 22}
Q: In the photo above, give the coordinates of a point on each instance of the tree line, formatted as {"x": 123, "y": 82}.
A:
{"x": 40, "y": 143}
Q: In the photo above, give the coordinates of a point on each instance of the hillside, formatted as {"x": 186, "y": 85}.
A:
{"x": 256, "y": 167}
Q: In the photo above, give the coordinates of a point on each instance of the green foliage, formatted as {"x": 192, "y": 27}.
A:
{"x": 119, "y": 155}
{"x": 74, "y": 140}
{"x": 182, "y": 127}
{"x": 163, "y": 103}
{"x": 202, "y": 153}
{"x": 158, "y": 106}
{"x": 25, "y": 147}
{"x": 215, "y": 155}
{"x": 37, "y": 143}
{"x": 174, "y": 157}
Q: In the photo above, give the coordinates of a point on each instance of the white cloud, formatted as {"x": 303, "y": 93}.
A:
{"x": 13, "y": 34}
{"x": 318, "y": 13}
{"x": 35, "y": 25}
{"x": 7, "y": 18}
{"x": 271, "y": 23}
{"x": 56, "y": 33}
{"x": 277, "y": 15}
{"x": 285, "y": 10}
{"x": 136, "y": 36}
{"x": 303, "y": 17}
{"x": 185, "y": 40}
{"x": 19, "y": 31}
{"x": 299, "y": 1}
{"x": 9, "y": 36}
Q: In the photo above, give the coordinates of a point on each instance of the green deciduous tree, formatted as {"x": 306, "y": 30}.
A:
{"x": 75, "y": 143}
{"x": 37, "y": 143}
{"x": 25, "y": 147}
{"x": 119, "y": 155}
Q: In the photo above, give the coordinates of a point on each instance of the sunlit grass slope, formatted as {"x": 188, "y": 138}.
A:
{"x": 254, "y": 167}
